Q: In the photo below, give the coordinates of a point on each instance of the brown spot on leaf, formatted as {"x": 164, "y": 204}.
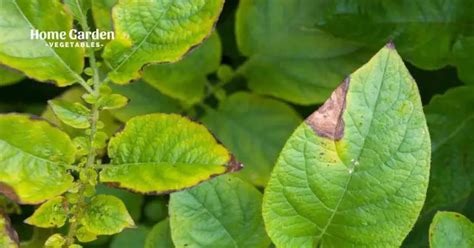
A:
{"x": 390, "y": 45}
{"x": 327, "y": 120}
{"x": 9, "y": 192}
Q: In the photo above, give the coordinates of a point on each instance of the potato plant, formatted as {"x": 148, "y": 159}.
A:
{"x": 181, "y": 125}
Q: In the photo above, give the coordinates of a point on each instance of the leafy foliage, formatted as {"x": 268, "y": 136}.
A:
{"x": 187, "y": 92}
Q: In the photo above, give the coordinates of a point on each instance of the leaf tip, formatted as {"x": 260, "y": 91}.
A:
{"x": 390, "y": 45}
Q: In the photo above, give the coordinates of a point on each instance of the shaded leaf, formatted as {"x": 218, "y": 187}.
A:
{"x": 156, "y": 31}
{"x": 102, "y": 13}
{"x": 8, "y": 235}
{"x": 35, "y": 57}
{"x": 450, "y": 229}
{"x": 355, "y": 173}
{"x": 134, "y": 202}
{"x": 33, "y": 158}
{"x": 186, "y": 79}
{"x": 161, "y": 153}
{"x": 255, "y": 129}
{"x": 144, "y": 99}
{"x": 78, "y": 9}
{"x": 288, "y": 57}
{"x": 224, "y": 212}
{"x": 9, "y": 77}
{"x": 160, "y": 236}
{"x": 130, "y": 238}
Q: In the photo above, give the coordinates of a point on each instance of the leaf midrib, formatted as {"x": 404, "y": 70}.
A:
{"x": 68, "y": 68}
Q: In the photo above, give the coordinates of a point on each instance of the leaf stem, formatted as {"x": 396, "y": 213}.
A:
{"x": 94, "y": 118}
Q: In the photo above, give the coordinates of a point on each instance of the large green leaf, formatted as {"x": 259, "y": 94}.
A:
{"x": 450, "y": 120}
{"x": 255, "y": 128}
{"x": 156, "y": 31}
{"x": 131, "y": 238}
{"x": 106, "y": 215}
{"x": 8, "y": 77}
{"x": 160, "y": 236}
{"x": 33, "y": 155}
{"x": 224, "y": 212}
{"x": 161, "y": 153}
{"x": 186, "y": 79}
{"x": 35, "y": 57}
{"x": 144, "y": 99}
{"x": 8, "y": 235}
{"x": 450, "y": 229}
{"x": 424, "y": 31}
{"x": 288, "y": 57}
{"x": 355, "y": 173}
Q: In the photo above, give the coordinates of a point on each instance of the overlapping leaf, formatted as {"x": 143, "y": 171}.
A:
{"x": 161, "y": 153}
{"x": 224, "y": 212}
{"x": 160, "y": 236}
{"x": 33, "y": 159}
{"x": 186, "y": 80}
{"x": 156, "y": 31}
{"x": 35, "y": 57}
{"x": 8, "y": 236}
{"x": 52, "y": 213}
{"x": 8, "y": 77}
{"x": 288, "y": 56}
{"x": 355, "y": 173}
{"x": 255, "y": 129}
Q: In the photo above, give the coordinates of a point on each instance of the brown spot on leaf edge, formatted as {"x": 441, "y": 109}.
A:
{"x": 327, "y": 120}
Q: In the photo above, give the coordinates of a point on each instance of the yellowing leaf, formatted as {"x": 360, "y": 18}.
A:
{"x": 355, "y": 173}
{"x": 35, "y": 57}
{"x": 33, "y": 158}
{"x": 8, "y": 77}
{"x": 52, "y": 213}
{"x": 156, "y": 31}
{"x": 161, "y": 153}
{"x": 73, "y": 114}
{"x": 106, "y": 215}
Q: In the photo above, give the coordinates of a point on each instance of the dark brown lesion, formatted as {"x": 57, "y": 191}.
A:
{"x": 327, "y": 120}
{"x": 9, "y": 192}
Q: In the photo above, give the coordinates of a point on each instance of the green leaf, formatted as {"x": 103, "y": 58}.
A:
{"x": 55, "y": 241}
{"x": 424, "y": 35}
{"x": 186, "y": 80}
{"x": 161, "y": 153}
{"x": 160, "y": 236}
{"x": 102, "y": 13}
{"x": 134, "y": 202}
{"x": 255, "y": 131}
{"x": 224, "y": 212}
{"x": 156, "y": 210}
{"x": 113, "y": 101}
{"x": 35, "y": 57}
{"x": 79, "y": 9}
{"x": 33, "y": 155}
{"x": 450, "y": 120}
{"x": 9, "y": 77}
{"x": 73, "y": 114}
{"x": 144, "y": 99}
{"x": 8, "y": 235}
{"x": 131, "y": 238}
{"x": 450, "y": 229}
{"x": 52, "y": 213}
{"x": 355, "y": 173}
{"x": 156, "y": 31}
{"x": 84, "y": 236}
{"x": 288, "y": 57}
{"x": 462, "y": 51}
{"x": 106, "y": 215}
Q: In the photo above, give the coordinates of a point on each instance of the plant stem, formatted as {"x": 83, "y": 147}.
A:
{"x": 91, "y": 156}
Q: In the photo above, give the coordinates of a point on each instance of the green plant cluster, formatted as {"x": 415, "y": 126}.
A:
{"x": 113, "y": 160}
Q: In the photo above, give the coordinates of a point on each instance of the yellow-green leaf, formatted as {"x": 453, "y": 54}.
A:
{"x": 106, "y": 215}
{"x": 156, "y": 31}
{"x": 449, "y": 230}
{"x": 73, "y": 114}
{"x": 52, "y": 213}
{"x": 112, "y": 101}
{"x": 161, "y": 153}
{"x": 35, "y": 57}
{"x": 160, "y": 236}
{"x": 33, "y": 155}
{"x": 8, "y": 77}
{"x": 355, "y": 173}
